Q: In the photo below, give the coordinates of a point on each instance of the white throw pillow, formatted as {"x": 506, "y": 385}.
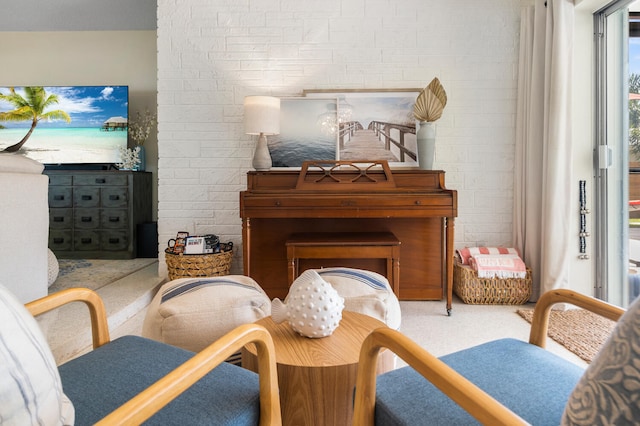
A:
{"x": 30, "y": 387}
{"x": 191, "y": 313}
{"x": 17, "y": 163}
{"x": 365, "y": 292}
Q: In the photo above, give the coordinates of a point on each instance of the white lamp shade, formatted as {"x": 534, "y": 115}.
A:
{"x": 261, "y": 115}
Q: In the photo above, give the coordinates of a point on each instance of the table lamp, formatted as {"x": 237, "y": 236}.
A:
{"x": 262, "y": 117}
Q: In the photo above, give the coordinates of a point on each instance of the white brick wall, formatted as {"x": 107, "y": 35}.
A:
{"x": 212, "y": 53}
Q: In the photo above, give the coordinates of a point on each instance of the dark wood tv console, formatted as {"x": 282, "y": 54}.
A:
{"x": 94, "y": 214}
{"x": 412, "y": 204}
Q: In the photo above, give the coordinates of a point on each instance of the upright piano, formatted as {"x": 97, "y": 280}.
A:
{"x": 344, "y": 196}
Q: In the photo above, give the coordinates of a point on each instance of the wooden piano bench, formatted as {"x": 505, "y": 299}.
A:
{"x": 346, "y": 245}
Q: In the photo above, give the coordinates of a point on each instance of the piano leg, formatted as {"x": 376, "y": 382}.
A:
{"x": 292, "y": 264}
{"x": 449, "y": 223}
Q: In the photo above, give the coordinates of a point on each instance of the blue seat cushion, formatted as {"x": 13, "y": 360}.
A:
{"x": 529, "y": 380}
{"x": 105, "y": 378}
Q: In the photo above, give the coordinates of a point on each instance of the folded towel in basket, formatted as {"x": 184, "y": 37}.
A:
{"x": 465, "y": 253}
{"x": 498, "y": 266}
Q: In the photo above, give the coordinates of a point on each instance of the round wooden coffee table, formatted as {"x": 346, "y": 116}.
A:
{"x": 317, "y": 376}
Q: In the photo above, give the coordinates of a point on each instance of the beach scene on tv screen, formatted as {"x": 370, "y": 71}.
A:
{"x": 62, "y": 125}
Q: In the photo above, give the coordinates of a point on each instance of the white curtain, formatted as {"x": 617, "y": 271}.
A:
{"x": 542, "y": 184}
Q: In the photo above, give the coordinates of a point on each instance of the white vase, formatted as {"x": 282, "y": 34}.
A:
{"x": 426, "y": 141}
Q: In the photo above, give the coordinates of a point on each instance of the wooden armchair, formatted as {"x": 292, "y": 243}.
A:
{"x": 132, "y": 379}
{"x": 506, "y": 382}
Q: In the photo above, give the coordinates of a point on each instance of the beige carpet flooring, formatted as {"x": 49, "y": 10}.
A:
{"x": 580, "y": 331}
{"x": 95, "y": 273}
{"x": 469, "y": 325}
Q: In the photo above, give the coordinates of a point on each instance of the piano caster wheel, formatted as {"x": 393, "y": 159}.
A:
{"x": 449, "y": 312}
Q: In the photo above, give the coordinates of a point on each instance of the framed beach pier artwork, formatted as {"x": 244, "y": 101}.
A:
{"x": 308, "y": 131}
{"x": 375, "y": 124}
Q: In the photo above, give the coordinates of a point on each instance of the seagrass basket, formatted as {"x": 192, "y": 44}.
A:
{"x": 489, "y": 291}
{"x": 199, "y": 265}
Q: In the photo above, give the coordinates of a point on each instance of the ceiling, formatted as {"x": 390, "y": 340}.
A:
{"x": 90, "y": 15}
{"x": 78, "y": 15}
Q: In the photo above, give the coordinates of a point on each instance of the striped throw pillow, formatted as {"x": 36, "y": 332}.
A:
{"x": 30, "y": 387}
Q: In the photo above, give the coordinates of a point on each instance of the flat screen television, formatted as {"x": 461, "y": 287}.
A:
{"x": 81, "y": 126}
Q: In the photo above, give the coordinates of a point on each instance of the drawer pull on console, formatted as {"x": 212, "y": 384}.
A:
{"x": 58, "y": 197}
{"x": 85, "y": 240}
{"x": 101, "y": 180}
{"x": 86, "y": 197}
{"x": 85, "y": 219}
{"x": 58, "y": 240}
{"x": 58, "y": 218}
{"x": 114, "y": 240}
{"x": 114, "y": 219}
{"x": 114, "y": 197}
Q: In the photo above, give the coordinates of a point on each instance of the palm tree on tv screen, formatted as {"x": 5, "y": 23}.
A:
{"x": 31, "y": 107}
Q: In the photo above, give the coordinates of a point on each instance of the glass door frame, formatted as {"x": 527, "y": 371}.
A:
{"x": 610, "y": 162}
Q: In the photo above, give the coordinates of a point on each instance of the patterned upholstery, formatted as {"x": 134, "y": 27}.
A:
{"x": 609, "y": 390}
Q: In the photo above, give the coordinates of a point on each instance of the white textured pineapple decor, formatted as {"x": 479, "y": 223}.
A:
{"x": 313, "y": 307}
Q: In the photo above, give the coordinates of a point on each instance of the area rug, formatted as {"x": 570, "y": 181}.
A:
{"x": 580, "y": 331}
{"x": 95, "y": 273}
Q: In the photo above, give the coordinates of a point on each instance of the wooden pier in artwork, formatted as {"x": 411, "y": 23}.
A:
{"x": 376, "y": 141}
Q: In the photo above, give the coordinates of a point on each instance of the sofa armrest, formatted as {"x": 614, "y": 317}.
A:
{"x": 540, "y": 321}
{"x": 24, "y": 236}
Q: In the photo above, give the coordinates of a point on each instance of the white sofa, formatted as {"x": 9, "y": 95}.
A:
{"x": 24, "y": 226}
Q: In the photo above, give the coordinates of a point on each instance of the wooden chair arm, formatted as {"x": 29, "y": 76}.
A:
{"x": 97, "y": 311}
{"x": 540, "y": 321}
{"x": 156, "y": 396}
{"x": 145, "y": 404}
{"x": 470, "y": 397}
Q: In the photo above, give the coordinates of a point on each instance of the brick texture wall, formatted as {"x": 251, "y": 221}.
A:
{"x": 212, "y": 53}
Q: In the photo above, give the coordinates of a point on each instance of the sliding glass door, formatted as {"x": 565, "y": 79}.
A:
{"x": 615, "y": 240}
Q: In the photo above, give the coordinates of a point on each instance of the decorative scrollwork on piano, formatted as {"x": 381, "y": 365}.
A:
{"x": 330, "y": 175}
